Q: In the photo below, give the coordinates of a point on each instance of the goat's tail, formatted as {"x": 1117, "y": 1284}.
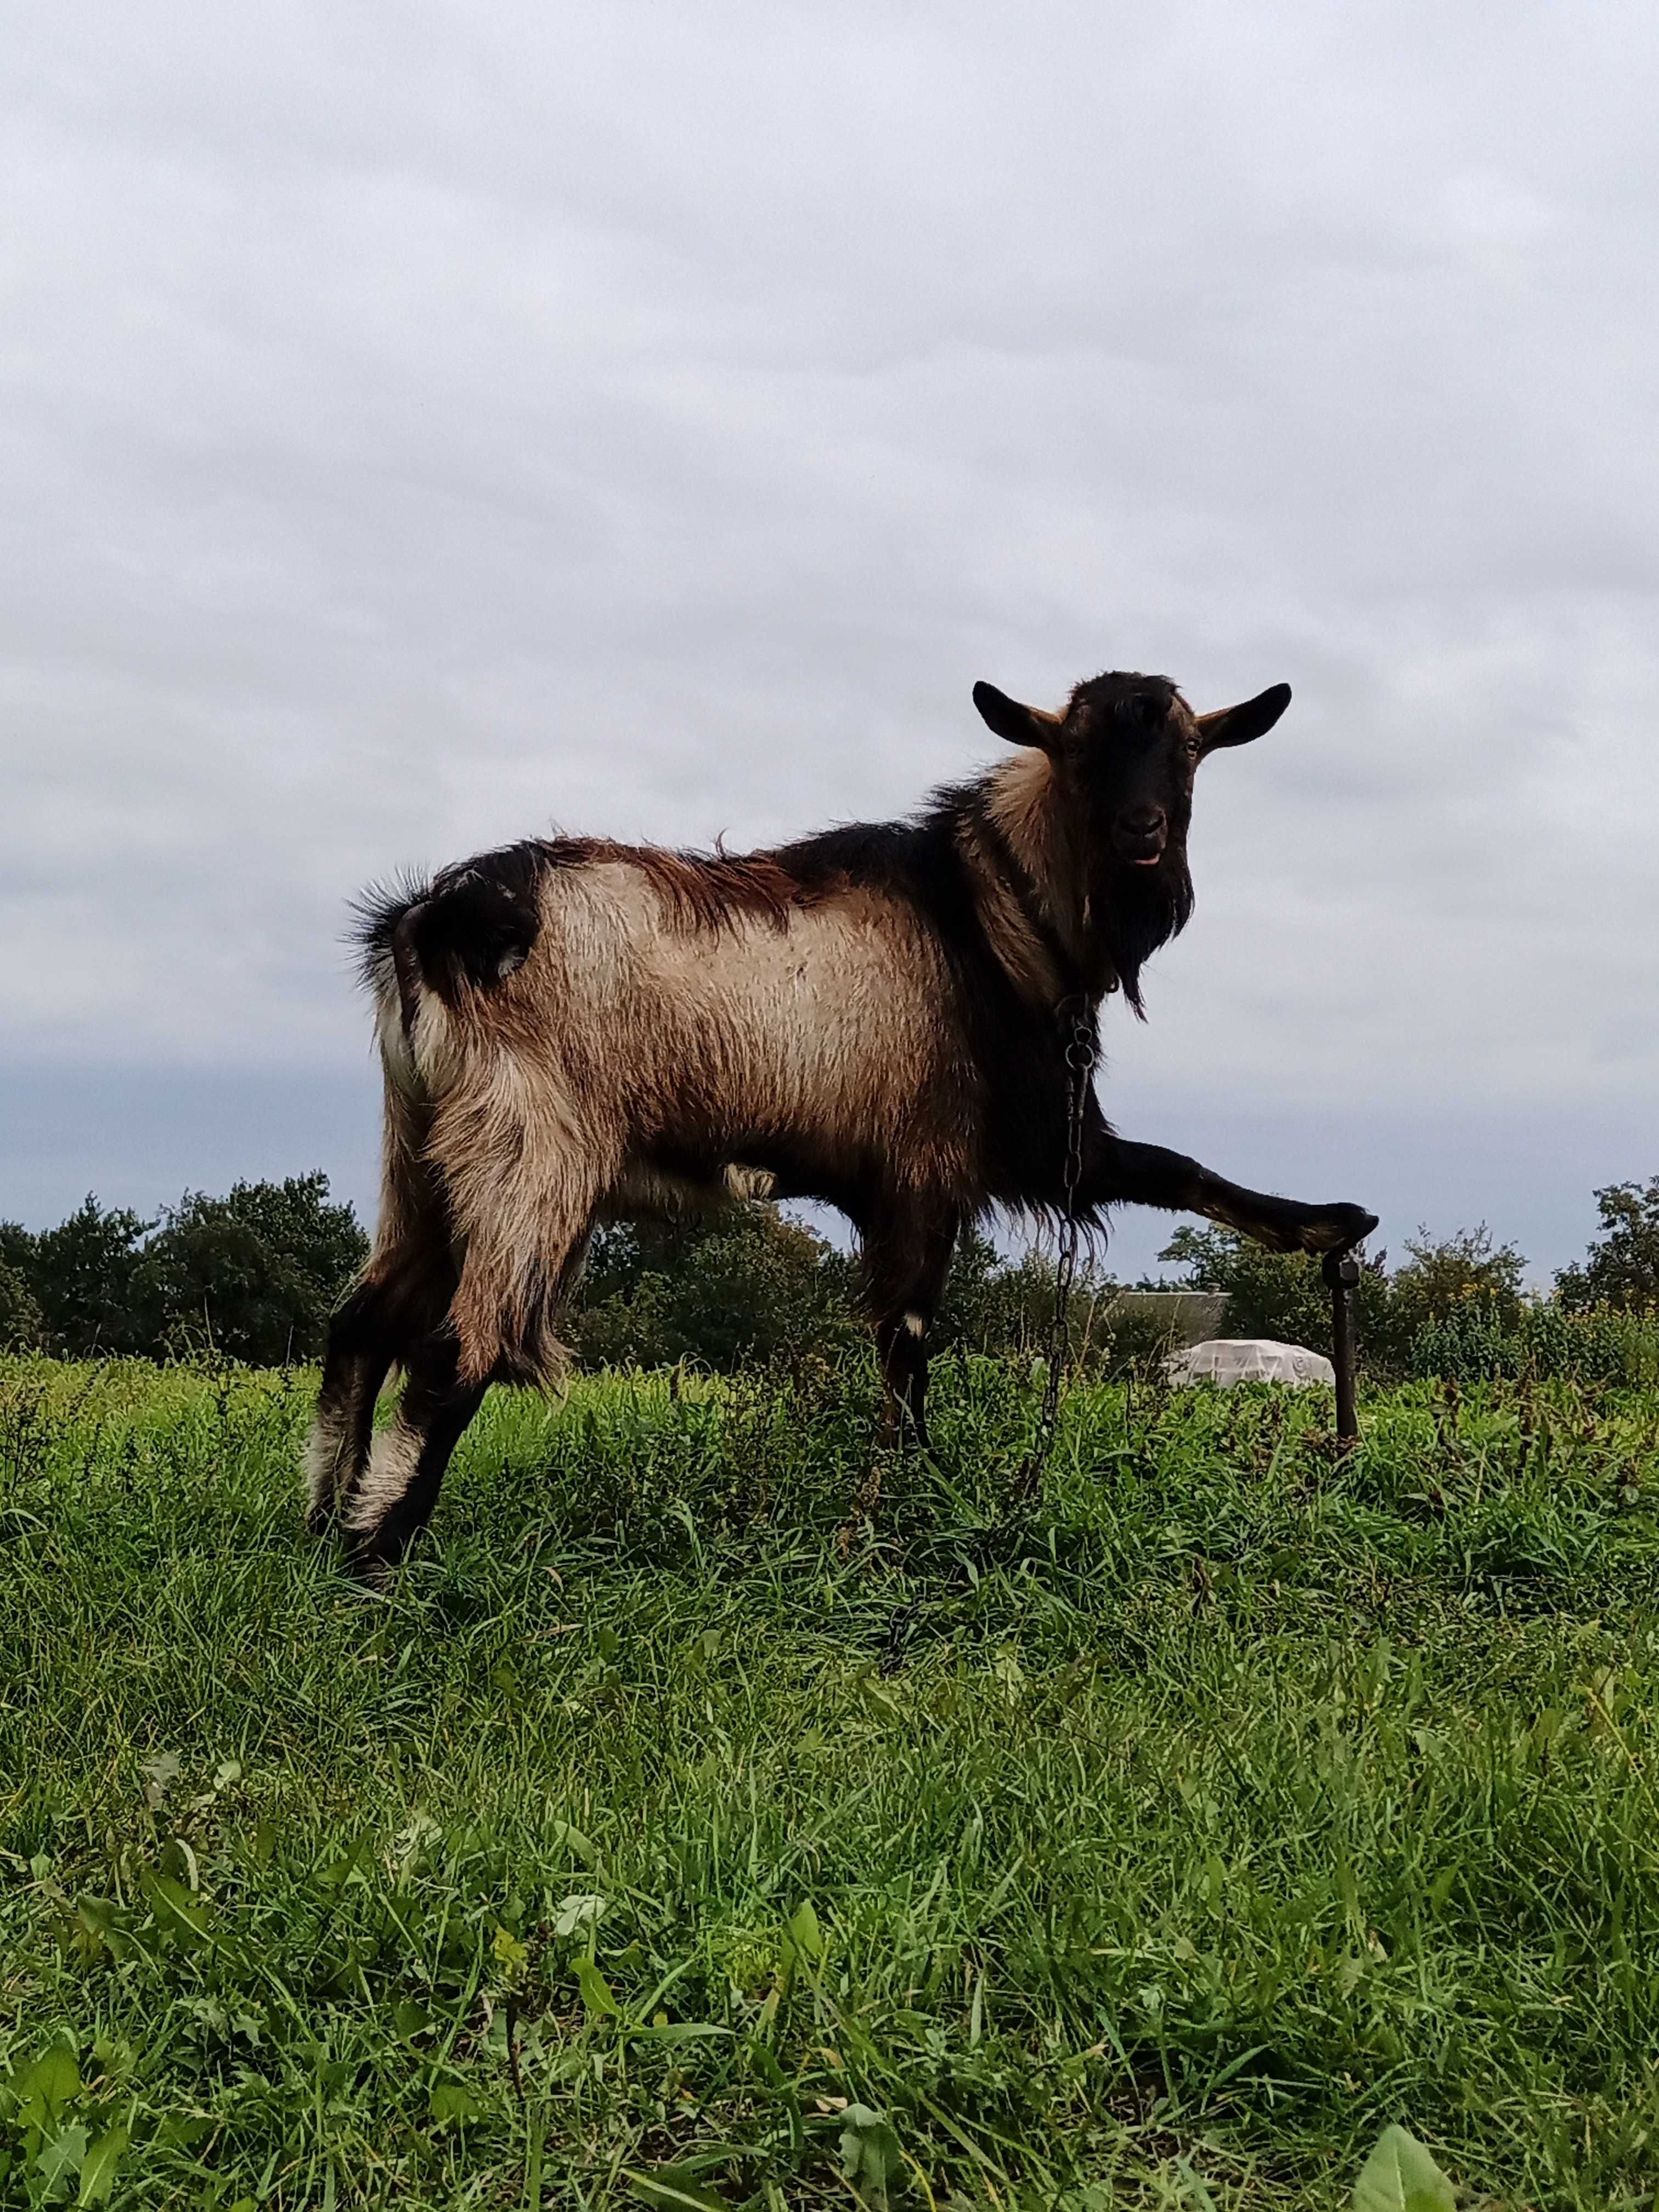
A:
{"x": 412, "y": 1267}
{"x": 475, "y": 1148}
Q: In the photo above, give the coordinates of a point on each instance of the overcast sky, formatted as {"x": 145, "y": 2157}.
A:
{"x": 422, "y": 424}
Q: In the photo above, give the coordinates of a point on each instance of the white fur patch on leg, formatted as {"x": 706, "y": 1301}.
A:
{"x": 391, "y": 1467}
{"x": 749, "y": 1183}
{"x": 916, "y": 1323}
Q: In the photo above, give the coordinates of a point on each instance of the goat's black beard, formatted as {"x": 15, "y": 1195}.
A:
{"x": 1143, "y": 910}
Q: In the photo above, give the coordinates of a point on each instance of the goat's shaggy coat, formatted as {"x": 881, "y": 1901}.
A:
{"x": 573, "y": 1029}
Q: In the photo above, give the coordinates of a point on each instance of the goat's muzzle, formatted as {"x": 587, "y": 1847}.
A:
{"x": 1140, "y": 839}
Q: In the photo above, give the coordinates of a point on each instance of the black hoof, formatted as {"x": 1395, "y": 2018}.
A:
{"x": 371, "y": 1567}
{"x": 1338, "y": 1227}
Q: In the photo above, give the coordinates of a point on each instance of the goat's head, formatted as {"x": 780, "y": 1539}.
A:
{"x": 1125, "y": 752}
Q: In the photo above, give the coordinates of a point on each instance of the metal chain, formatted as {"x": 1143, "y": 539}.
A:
{"x": 1082, "y": 1051}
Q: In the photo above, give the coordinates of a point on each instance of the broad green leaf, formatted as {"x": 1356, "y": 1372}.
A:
{"x": 339, "y": 1871}
{"x": 676, "y": 2189}
{"x": 1400, "y": 2176}
{"x": 185, "y": 2129}
{"x": 117, "y": 2059}
{"x": 806, "y": 1934}
{"x": 52, "y": 2082}
{"x": 596, "y": 1990}
{"x": 177, "y": 1859}
{"x": 573, "y": 1840}
{"x": 509, "y": 1954}
{"x": 97, "y": 2167}
{"x": 453, "y": 2104}
{"x": 100, "y": 1924}
{"x": 869, "y": 2150}
{"x": 409, "y": 2019}
{"x": 63, "y": 2155}
{"x": 174, "y": 1907}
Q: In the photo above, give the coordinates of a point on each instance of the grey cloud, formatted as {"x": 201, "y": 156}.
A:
{"x": 422, "y": 424}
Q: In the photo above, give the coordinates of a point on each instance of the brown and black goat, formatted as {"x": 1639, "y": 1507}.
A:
{"x": 575, "y": 1031}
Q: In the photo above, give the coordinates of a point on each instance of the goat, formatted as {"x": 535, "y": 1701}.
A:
{"x": 573, "y": 1030}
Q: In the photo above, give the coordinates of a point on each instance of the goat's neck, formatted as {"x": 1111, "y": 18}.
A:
{"x": 1025, "y": 804}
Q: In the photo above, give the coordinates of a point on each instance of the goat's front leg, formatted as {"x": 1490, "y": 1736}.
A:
{"x": 906, "y": 1260}
{"x": 1119, "y": 1173}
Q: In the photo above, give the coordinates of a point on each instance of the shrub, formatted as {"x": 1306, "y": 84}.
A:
{"x": 1280, "y": 1295}
{"x": 997, "y": 1305}
{"x": 1596, "y": 1346}
{"x": 749, "y": 1282}
{"x": 741, "y": 1283}
{"x": 1126, "y": 1340}
{"x": 1621, "y": 1267}
{"x": 1454, "y": 1301}
{"x": 1469, "y": 1344}
{"x": 253, "y": 1276}
{"x": 1439, "y": 1280}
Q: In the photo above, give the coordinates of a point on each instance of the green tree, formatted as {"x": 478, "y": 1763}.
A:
{"x": 20, "y": 1311}
{"x": 82, "y": 1276}
{"x": 1272, "y": 1294}
{"x": 1462, "y": 1281}
{"x": 1621, "y": 1267}
{"x": 254, "y": 1276}
{"x": 1282, "y": 1295}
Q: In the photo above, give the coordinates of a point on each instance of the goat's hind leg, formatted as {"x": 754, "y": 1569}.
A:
{"x": 498, "y": 1328}
{"x": 392, "y": 1498}
{"x": 402, "y": 1298}
{"x": 361, "y": 1346}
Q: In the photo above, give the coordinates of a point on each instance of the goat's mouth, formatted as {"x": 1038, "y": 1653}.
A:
{"x": 1142, "y": 852}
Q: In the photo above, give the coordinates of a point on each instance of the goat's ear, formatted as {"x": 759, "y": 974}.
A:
{"x": 1021, "y": 726}
{"x": 1237, "y": 725}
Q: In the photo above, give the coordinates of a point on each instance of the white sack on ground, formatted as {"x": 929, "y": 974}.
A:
{"x": 1225, "y": 1360}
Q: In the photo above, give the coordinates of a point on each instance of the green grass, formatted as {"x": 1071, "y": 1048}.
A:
{"x": 1241, "y": 1801}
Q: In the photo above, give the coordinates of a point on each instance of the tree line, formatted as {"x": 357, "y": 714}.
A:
{"x": 254, "y": 1275}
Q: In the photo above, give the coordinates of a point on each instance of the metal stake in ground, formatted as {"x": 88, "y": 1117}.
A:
{"x": 1341, "y": 1271}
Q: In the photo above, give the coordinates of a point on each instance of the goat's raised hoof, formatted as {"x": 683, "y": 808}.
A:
{"x": 1335, "y": 1228}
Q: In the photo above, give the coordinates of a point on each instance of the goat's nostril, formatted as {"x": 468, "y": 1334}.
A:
{"x": 1145, "y": 821}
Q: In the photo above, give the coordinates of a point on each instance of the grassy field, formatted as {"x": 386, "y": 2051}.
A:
{"x": 1241, "y": 1801}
